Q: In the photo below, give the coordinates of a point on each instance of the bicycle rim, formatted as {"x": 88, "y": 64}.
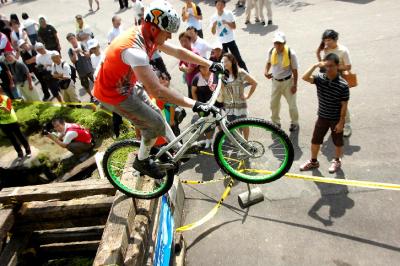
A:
{"x": 271, "y": 152}
{"x": 117, "y": 165}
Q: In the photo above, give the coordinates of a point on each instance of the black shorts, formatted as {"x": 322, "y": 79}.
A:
{"x": 321, "y": 128}
{"x": 85, "y": 81}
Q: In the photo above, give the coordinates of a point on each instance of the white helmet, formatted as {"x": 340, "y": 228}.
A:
{"x": 163, "y": 15}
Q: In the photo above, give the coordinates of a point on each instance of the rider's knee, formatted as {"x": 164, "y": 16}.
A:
{"x": 157, "y": 128}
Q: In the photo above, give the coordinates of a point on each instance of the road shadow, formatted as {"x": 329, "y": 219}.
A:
{"x": 289, "y": 223}
{"x": 238, "y": 11}
{"x": 294, "y": 138}
{"x": 363, "y": 2}
{"x": 335, "y": 197}
{"x": 202, "y": 164}
{"x": 90, "y": 13}
{"x": 328, "y": 148}
{"x": 292, "y": 4}
{"x": 259, "y": 29}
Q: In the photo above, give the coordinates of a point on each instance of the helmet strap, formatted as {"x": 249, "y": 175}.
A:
{"x": 150, "y": 33}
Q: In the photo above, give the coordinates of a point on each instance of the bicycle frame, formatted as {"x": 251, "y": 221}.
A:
{"x": 199, "y": 127}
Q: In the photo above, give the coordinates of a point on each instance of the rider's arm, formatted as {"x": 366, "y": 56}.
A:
{"x": 153, "y": 86}
{"x": 184, "y": 54}
{"x": 194, "y": 92}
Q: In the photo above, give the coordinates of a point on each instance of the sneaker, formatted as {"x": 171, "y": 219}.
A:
{"x": 269, "y": 22}
{"x": 336, "y": 164}
{"x": 293, "y": 127}
{"x": 247, "y": 22}
{"x": 347, "y": 131}
{"x": 309, "y": 165}
{"x": 263, "y": 23}
{"x": 20, "y": 157}
{"x": 28, "y": 154}
{"x": 148, "y": 167}
{"x": 257, "y": 20}
{"x": 45, "y": 98}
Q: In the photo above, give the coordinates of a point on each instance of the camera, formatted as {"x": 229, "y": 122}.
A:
{"x": 47, "y": 128}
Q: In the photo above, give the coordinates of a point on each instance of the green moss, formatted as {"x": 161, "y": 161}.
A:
{"x": 32, "y": 117}
{"x": 79, "y": 261}
{"x": 28, "y": 117}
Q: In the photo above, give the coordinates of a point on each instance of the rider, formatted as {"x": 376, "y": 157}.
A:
{"x": 127, "y": 61}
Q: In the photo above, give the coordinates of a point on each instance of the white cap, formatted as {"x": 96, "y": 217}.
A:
{"x": 92, "y": 43}
{"x": 217, "y": 44}
{"x": 279, "y": 37}
{"x": 39, "y": 45}
{"x": 54, "y": 53}
{"x": 21, "y": 42}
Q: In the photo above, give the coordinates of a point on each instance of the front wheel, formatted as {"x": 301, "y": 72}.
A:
{"x": 269, "y": 153}
{"x": 117, "y": 166}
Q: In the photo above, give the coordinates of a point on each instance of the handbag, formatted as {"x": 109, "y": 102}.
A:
{"x": 351, "y": 78}
{"x": 180, "y": 114}
{"x": 64, "y": 84}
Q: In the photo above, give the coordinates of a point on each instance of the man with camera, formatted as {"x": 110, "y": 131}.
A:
{"x": 63, "y": 72}
{"x": 73, "y": 137}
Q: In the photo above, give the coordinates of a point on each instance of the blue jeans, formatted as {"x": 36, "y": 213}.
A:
{"x": 33, "y": 38}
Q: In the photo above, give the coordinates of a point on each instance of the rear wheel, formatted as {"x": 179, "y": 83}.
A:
{"x": 117, "y": 166}
{"x": 270, "y": 152}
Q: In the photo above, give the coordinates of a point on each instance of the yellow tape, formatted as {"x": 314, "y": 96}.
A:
{"x": 344, "y": 182}
{"x": 209, "y": 215}
{"x": 194, "y": 182}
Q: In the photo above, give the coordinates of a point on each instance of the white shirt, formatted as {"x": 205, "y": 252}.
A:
{"x": 113, "y": 33}
{"x": 342, "y": 52}
{"x": 137, "y": 9}
{"x": 16, "y": 38}
{"x": 62, "y": 68}
{"x": 70, "y": 135}
{"x": 203, "y": 47}
{"x": 96, "y": 59}
{"x": 45, "y": 60}
{"x": 29, "y": 26}
{"x": 224, "y": 32}
{"x": 135, "y": 57}
{"x": 279, "y": 72}
{"x": 192, "y": 20}
{"x": 3, "y": 40}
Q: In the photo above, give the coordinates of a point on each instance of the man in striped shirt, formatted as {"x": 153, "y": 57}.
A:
{"x": 333, "y": 96}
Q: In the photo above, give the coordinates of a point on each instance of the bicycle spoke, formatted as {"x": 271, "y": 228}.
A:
{"x": 266, "y": 150}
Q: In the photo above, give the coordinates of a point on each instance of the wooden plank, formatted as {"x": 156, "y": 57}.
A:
{"x": 83, "y": 207}
{"x": 85, "y": 165}
{"x": 119, "y": 227}
{"x": 61, "y": 191}
{"x": 64, "y": 250}
{"x": 64, "y": 235}
{"x": 6, "y": 221}
{"x": 22, "y": 226}
{"x": 138, "y": 243}
{"x": 10, "y": 254}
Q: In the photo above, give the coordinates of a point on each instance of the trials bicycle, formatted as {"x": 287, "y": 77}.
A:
{"x": 251, "y": 150}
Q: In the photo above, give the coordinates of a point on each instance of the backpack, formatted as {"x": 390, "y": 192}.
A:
{"x": 73, "y": 71}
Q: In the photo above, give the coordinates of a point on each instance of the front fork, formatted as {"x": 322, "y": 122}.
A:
{"x": 234, "y": 137}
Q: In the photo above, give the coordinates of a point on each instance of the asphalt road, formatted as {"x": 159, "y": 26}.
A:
{"x": 300, "y": 222}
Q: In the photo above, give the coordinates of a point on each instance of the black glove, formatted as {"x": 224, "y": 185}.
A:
{"x": 217, "y": 68}
{"x": 201, "y": 108}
